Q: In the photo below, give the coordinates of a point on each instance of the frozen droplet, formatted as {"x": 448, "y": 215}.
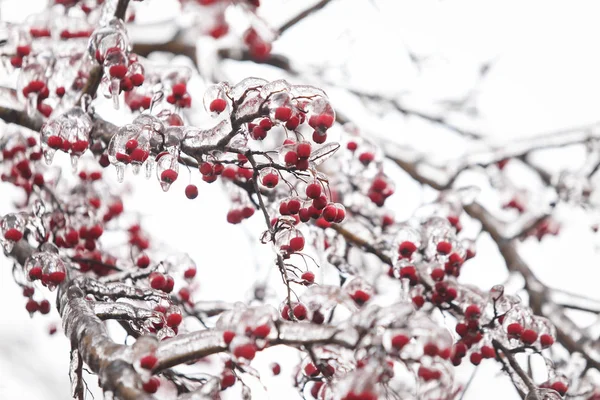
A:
{"x": 167, "y": 170}
{"x": 278, "y": 86}
{"x": 49, "y": 155}
{"x": 321, "y": 115}
{"x": 218, "y": 91}
{"x": 74, "y": 162}
{"x": 120, "y": 172}
{"x": 245, "y": 86}
{"x": 307, "y": 91}
{"x": 323, "y": 153}
{"x": 115, "y": 85}
{"x": 148, "y": 167}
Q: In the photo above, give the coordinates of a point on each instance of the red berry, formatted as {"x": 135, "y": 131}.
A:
{"x": 168, "y": 176}
{"x": 137, "y": 79}
{"x": 418, "y": 301}
{"x": 444, "y": 247}
{"x": 234, "y": 216}
{"x": 152, "y": 385}
{"x": 31, "y": 306}
{"x": 476, "y": 358}
{"x": 292, "y": 123}
{"x": 329, "y": 212}
{"x": 118, "y": 71}
{"x": 35, "y": 273}
{"x": 55, "y": 142}
{"x": 546, "y": 340}
{"x": 218, "y": 105}
{"x": 174, "y": 319}
{"x": 462, "y": 329}
{"x": 313, "y": 190}
{"x": 318, "y": 137}
{"x": 514, "y": 329}
{"x": 270, "y": 180}
{"x": 406, "y": 249}
{"x": 560, "y": 387}
{"x": 303, "y": 150}
{"x": 24, "y": 50}
{"x": 189, "y": 273}
{"x": 60, "y": 91}
{"x": 311, "y": 370}
{"x": 95, "y": 232}
{"x": 437, "y": 274}
{"x": 488, "y": 352}
{"x": 360, "y": 297}
{"x": 169, "y": 283}
{"x": 399, "y": 341}
{"x": 265, "y": 124}
{"x": 283, "y": 113}
{"x": 262, "y": 331}
{"x": 191, "y": 191}
{"x": 472, "y": 312}
{"x": 297, "y": 244}
{"x": 179, "y": 89}
{"x": 308, "y": 277}
{"x": 293, "y": 206}
{"x": 157, "y": 281}
{"x": 13, "y": 234}
{"x": 17, "y": 62}
{"x": 529, "y": 336}
{"x": 36, "y": 86}
{"x": 149, "y": 361}
{"x": 44, "y": 306}
{"x": 227, "y": 380}
{"x": 366, "y": 158}
{"x": 430, "y": 349}
{"x": 276, "y": 368}
{"x": 291, "y": 158}
{"x": 300, "y": 311}
{"x": 247, "y": 351}
{"x": 143, "y": 261}
{"x": 228, "y": 336}
{"x": 57, "y": 277}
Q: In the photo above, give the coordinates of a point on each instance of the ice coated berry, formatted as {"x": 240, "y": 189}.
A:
{"x": 529, "y": 336}
{"x": 313, "y": 190}
{"x": 308, "y": 277}
{"x": 218, "y": 105}
{"x": 228, "y": 336}
{"x": 168, "y": 176}
{"x": 247, "y": 351}
{"x": 149, "y": 361}
{"x": 13, "y": 234}
{"x": 514, "y": 329}
{"x": 546, "y": 340}
{"x": 283, "y": 113}
{"x": 118, "y": 71}
{"x": 444, "y": 247}
{"x": 399, "y": 341}
{"x": 297, "y": 243}
{"x": 300, "y": 311}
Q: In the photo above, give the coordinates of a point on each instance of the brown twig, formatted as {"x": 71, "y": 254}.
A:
{"x": 518, "y": 370}
{"x": 302, "y": 15}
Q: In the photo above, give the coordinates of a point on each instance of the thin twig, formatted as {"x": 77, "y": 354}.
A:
{"x": 302, "y": 15}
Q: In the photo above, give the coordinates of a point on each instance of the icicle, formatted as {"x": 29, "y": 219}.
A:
{"x": 120, "y": 172}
